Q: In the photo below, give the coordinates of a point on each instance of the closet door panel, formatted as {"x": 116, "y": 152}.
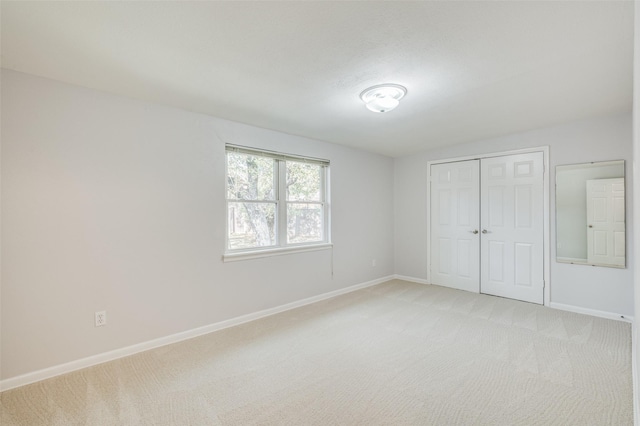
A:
{"x": 454, "y": 247}
{"x": 512, "y": 227}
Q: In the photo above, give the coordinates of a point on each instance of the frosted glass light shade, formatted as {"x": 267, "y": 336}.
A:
{"x": 383, "y": 98}
{"x": 383, "y": 104}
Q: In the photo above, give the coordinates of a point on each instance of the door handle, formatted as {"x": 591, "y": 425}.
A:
{"x": 475, "y": 231}
{"x": 590, "y": 226}
{"x": 484, "y": 231}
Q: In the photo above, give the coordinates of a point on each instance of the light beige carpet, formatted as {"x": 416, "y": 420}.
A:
{"x": 394, "y": 354}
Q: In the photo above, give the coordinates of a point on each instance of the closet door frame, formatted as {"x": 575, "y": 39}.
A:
{"x": 546, "y": 207}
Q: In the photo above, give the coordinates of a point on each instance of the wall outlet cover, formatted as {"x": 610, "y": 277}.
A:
{"x": 101, "y": 318}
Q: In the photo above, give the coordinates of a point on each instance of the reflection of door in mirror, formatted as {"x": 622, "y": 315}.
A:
{"x": 605, "y": 222}
{"x": 601, "y": 206}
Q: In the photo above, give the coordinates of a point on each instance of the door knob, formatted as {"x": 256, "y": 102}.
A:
{"x": 475, "y": 231}
{"x": 484, "y": 231}
{"x": 590, "y": 226}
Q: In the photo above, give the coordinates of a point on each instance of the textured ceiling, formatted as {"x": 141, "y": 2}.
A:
{"x": 472, "y": 69}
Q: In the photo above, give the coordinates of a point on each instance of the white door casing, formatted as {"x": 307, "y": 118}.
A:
{"x": 512, "y": 239}
{"x": 606, "y": 222}
{"x": 455, "y": 237}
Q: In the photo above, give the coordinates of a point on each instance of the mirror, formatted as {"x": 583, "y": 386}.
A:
{"x": 590, "y": 214}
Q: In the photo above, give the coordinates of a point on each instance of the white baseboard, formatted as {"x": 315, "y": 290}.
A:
{"x": 593, "y": 312}
{"x": 68, "y": 367}
{"x": 410, "y": 279}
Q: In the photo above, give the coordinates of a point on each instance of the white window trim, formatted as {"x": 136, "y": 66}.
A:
{"x": 281, "y": 209}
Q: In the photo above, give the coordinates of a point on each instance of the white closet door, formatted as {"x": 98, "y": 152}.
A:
{"x": 455, "y": 237}
{"x": 605, "y": 220}
{"x": 512, "y": 227}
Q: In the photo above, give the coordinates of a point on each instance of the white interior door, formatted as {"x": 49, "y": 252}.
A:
{"x": 605, "y": 221}
{"x": 512, "y": 241}
{"x": 455, "y": 237}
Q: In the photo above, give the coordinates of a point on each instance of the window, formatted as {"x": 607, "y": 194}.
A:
{"x": 275, "y": 201}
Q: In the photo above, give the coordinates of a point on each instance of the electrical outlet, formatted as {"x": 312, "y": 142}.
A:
{"x": 373, "y": 263}
{"x": 101, "y": 318}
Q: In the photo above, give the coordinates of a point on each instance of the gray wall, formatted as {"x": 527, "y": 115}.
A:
{"x": 118, "y": 205}
{"x": 609, "y": 138}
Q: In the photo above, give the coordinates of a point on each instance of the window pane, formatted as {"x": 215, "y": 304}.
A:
{"x": 304, "y": 223}
{"x": 250, "y": 177}
{"x": 251, "y": 225}
{"x": 303, "y": 181}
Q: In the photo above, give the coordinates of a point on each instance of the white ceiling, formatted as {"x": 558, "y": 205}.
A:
{"x": 473, "y": 70}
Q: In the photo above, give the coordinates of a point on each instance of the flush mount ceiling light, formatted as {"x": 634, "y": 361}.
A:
{"x": 383, "y": 97}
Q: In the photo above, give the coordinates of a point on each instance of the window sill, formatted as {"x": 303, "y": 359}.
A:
{"x": 255, "y": 254}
